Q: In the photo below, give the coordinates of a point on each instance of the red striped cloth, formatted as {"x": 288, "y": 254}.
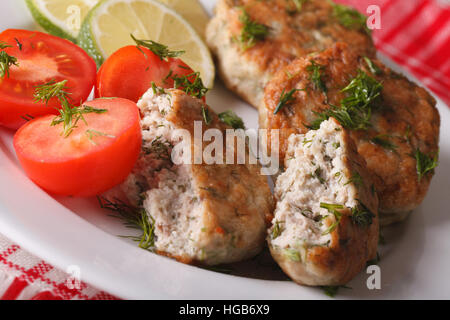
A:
{"x": 416, "y": 35}
{"x": 26, "y": 277}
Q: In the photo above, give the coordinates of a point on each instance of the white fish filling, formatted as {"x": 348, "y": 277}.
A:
{"x": 315, "y": 173}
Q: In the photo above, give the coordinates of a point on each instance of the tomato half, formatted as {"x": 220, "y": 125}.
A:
{"x": 94, "y": 158}
{"x": 41, "y": 58}
{"x": 129, "y": 72}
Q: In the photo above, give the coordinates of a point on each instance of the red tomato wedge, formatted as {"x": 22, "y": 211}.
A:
{"x": 41, "y": 58}
{"x": 129, "y": 73}
{"x": 94, "y": 158}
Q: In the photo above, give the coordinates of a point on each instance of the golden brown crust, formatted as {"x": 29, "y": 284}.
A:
{"x": 407, "y": 116}
{"x": 292, "y": 34}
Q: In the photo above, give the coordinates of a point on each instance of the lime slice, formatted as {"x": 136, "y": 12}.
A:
{"x": 192, "y": 11}
{"x": 109, "y": 24}
{"x": 61, "y": 18}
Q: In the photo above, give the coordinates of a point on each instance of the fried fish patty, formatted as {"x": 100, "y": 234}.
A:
{"x": 399, "y": 132}
{"x": 325, "y": 225}
{"x": 202, "y": 213}
{"x": 246, "y": 65}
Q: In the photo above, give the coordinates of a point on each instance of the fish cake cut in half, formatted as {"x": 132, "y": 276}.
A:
{"x": 394, "y": 122}
{"x": 325, "y": 225}
{"x": 253, "y": 39}
{"x": 202, "y": 214}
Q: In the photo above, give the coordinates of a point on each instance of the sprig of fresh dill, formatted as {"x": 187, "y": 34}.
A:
{"x": 355, "y": 111}
{"x": 315, "y": 77}
{"x": 350, "y": 18}
{"x": 332, "y": 208}
{"x": 69, "y": 115}
{"x": 361, "y": 215}
{"x": 6, "y": 61}
{"x": 232, "y": 119}
{"x": 134, "y": 218}
{"x": 206, "y": 116}
{"x": 251, "y": 32}
{"x": 277, "y": 229}
{"x": 286, "y": 98}
{"x": 192, "y": 84}
{"x": 162, "y": 51}
{"x": 425, "y": 163}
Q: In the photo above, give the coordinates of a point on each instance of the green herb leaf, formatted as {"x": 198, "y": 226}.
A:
{"x": 292, "y": 254}
{"x": 331, "y": 291}
{"x": 355, "y": 111}
{"x": 425, "y": 163}
{"x": 6, "y": 61}
{"x": 332, "y": 208}
{"x": 52, "y": 89}
{"x": 159, "y": 49}
{"x": 70, "y": 117}
{"x": 382, "y": 141}
{"x": 232, "y": 119}
{"x": 192, "y": 84}
{"x": 372, "y": 66}
{"x": 252, "y": 32}
{"x": 286, "y": 98}
{"x": 315, "y": 77}
{"x": 276, "y": 230}
{"x": 362, "y": 216}
{"x": 135, "y": 218}
{"x": 206, "y": 116}
{"x": 350, "y": 18}
{"x": 4, "y": 45}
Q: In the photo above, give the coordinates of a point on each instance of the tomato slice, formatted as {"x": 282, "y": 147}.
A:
{"x": 41, "y": 58}
{"x": 129, "y": 73}
{"x": 94, "y": 158}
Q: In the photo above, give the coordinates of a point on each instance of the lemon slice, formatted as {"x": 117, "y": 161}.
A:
{"x": 61, "y": 18}
{"x": 109, "y": 24}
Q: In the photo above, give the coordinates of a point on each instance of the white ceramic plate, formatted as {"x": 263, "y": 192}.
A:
{"x": 66, "y": 231}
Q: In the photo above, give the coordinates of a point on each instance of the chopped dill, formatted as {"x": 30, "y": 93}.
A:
{"x": 277, "y": 229}
{"x": 69, "y": 115}
{"x": 361, "y": 215}
{"x": 232, "y": 119}
{"x": 332, "y": 208}
{"x": 372, "y": 66}
{"x": 355, "y": 111}
{"x": 318, "y": 174}
{"x": 159, "y": 49}
{"x": 159, "y": 148}
{"x": 292, "y": 254}
{"x": 315, "y": 77}
{"x": 252, "y": 31}
{"x": 134, "y": 218}
{"x": 297, "y": 6}
{"x": 6, "y": 61}
{"x": 425, "y": 163}
{"x": 383, "y": 141}
{"x": 285, "y": 99}
{"x": 332, "y": 291}
{"x": 350, "y": 18}
{"x": 192, "y": 84}
{"x": 156, "y": 89}
{"x": 356, "y": 179}
{"x": 91, "y": 134}
{"x": 206, "y": 116}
